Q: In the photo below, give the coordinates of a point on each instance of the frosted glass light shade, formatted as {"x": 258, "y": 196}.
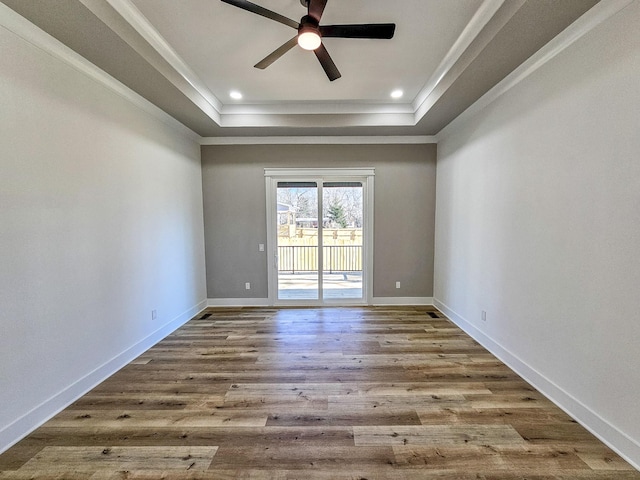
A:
{"x": 309, "y": 40}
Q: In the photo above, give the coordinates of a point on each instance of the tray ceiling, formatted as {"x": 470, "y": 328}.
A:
{"x": 187, "y": 56}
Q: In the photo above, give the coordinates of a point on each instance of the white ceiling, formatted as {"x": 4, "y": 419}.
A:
{"x": 186, "y": 57}
{"x": 224, "y": 42}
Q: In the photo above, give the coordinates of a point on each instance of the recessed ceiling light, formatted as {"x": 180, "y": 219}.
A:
{"x": 235, "y": 95}
{"x": 397, "y": 94}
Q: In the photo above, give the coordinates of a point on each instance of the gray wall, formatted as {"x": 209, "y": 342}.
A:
{"x": 100, "y": 223}
{"x": 538, "y": 208}
{"x": 235, "y": 209}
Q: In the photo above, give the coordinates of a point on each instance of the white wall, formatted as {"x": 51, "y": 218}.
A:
{"x": 100, "y": 222}
{"x": 538, "y": 224}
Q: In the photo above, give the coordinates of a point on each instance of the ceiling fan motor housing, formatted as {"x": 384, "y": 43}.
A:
{"x": 309, "y": 24}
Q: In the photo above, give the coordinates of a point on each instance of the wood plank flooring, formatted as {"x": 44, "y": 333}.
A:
{"x": 334, "y": 393}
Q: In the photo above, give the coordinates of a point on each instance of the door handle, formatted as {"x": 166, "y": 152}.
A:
{"x": 275, "y": 261}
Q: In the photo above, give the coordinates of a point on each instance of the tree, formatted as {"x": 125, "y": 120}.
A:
{"x": 303, "y": 200}
{"x": 350, "y": 199}
{"x": 303, "y": 207}
{"x": 336, "y": 214}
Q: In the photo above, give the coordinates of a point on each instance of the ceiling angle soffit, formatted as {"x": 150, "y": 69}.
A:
{"x": 131, "y": 26}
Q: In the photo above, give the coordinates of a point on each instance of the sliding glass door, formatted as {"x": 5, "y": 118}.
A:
{"x": 342, "y": 240}
{"x": 318, "y": 238}
{"x": 298, "y": 241}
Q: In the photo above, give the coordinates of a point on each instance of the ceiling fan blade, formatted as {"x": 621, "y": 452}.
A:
{"x": 327, "y": 64}
{"x": 316, "y": 7}
{"x": 366, "y": 30}
{"x": 272, "y": 57}
{"x": 252, "y": 7}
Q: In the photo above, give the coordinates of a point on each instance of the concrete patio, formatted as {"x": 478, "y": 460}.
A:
{"x": 304, "y": 286}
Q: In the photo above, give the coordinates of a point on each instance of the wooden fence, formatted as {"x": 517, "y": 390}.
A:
{"x": 335, "y": 258}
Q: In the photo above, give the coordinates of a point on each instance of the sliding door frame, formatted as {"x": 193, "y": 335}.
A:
{"x": 320, "y": 175}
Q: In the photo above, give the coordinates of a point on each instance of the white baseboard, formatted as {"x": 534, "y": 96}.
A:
{"x": 386, "y": 301}
{"x": 24, "y": 425}
{"x": 620, "y": 442}
{"x": 238, "y": 302}
{"x": 264, "y": 302}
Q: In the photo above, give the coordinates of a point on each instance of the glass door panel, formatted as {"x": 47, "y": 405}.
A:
{"x": 342, "y": 241}
{"x": 298, "y": 253}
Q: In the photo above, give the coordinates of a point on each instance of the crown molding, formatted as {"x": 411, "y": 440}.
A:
{"x": 595, "y": 16}
{"x": 343, "y": 108}
{"x": 396, "y": 140}
{"x": 30, "y": 33}
{"x": 139, "y": 22}
{"x": 319, "y": 120}
{"x": 483, "y": 15}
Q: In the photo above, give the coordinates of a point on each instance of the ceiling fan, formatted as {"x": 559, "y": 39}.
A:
{"x": 310, "y": 32}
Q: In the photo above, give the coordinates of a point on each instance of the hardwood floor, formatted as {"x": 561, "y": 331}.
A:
{"x": 335, "y": 393}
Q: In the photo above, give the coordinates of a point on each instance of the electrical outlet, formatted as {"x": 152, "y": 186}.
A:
{"x": 397, "y": 284}
{"x": 261, "y": 247}
{"x": 154, "y": 314}
{"x": 484, "y": 316}
{"x": 247, "y": 286}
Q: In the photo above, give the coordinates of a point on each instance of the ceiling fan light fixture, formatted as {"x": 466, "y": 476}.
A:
{"x": 309, "y": 39}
